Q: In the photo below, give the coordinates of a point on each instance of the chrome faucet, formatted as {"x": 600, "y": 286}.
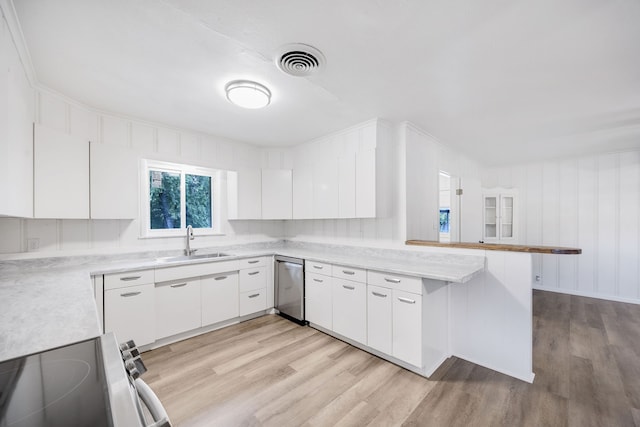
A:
{"x": 188, "y": 251}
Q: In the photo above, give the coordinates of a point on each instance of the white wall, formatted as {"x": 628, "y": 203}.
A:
{"x": 151, "y": 141}
{"x": 592, "y": 203}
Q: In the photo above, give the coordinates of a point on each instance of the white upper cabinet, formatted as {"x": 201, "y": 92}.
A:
{"x": 325, "y": 188}
{"x": 114, "y": 182}
{"x": 347, "y": 186}
{"x": 499, "y": 215}
{"x": 244, "y": 190}
{"x": 302, "y": 192}
{"x": 366, "y": 184}
{"x": 61, "y": 175}
{"x": 276, "y": 194}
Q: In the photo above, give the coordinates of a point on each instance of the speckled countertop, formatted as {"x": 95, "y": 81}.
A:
{"x": 49, "y": 302}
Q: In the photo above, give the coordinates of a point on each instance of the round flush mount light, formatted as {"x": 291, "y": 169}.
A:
{"x": 248, "y": 94}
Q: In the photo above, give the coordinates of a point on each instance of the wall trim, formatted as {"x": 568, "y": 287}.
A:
{"x": 9, "y": 13}
{"x": 588, "y": 294}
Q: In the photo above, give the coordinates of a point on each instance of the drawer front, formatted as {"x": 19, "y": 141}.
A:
{"x": 253, "y": 278}
{"x": 194, "y": 270}
{"x": 125, "y": 280}
{"x": 252, "y": 262}
{"x": 349, "y": 273}
{"x": 317, "y": 268}
{"x": 253, "y": 301}
{"x": 395, "y": 281}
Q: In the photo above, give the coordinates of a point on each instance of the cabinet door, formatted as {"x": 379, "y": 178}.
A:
{"x": 407, "y": 327}
{"x": 303, "y": 192}
{"x": 347, "y": 186}
{"x": 325, "y": 189}
{"x": 318, "y": 301}
{"x": 276, "y": 194}
{"x": 379, "y": 318}
{"x": 506, "y": 217}
{"x": 366, "y": 183}
{"x": 130, "y": 313}
{"x": 490, "y": 217}
{"x": 60, "y": 175}
{"x": 178, "y": 307}
{"x": 350, "y": 309}
{"x": 244, "y": 192}
{"x": 219, "y": 298}
{"x": 114, "y": 182}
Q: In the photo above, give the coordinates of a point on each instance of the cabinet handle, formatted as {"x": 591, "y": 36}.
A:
{"x": 129, "y": 278}
{"x": 349, "y": 272}
{"x": 220, "y": 278}
{"x": 179, "y": 285}
{"x": 349, "y": 287}
{"x": 391, "y": 280}
{"x": 254, "y": 295}
{"x": 407, "y": 300}
{"x": 318, "y": 280}
{"x": 253, "y": 273}
{"x": 130, "y": 294}
{"x": 319, "y": 267}
{"x": 378, "y": 294}
{"x": 253, "y": 261}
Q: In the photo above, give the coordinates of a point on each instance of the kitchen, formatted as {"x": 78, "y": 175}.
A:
{"x": 562, "y": 136}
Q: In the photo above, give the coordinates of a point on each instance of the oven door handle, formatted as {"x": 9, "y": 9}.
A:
{"x": 151, "y": 401}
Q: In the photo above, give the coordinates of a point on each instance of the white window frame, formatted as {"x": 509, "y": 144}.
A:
{"x": 182, "y": 169}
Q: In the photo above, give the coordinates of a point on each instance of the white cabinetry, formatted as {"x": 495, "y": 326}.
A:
{"x": 379, "y": 318}
{"x": 244, "y": 190}
{"x": 350, "y": 309}
{"x": 114, "y": 182}
{"x": 61, "y": 175}
{"x": 219, "y": 297}
{"x": 407, "y": 327}
{"x": 178, "y": 307}
{"x": 325, "y": 188}
{"x": 318, "y": 294}
{"x": 276, "y": 194}
{"x": 347, "y": 186}
{"x": 253, "y": 286}
{"x": 499, "y": 215}
{"x": 302, "y": 192}
{"x": 129, "y": 306}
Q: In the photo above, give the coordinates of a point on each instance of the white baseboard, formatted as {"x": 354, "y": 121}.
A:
{"x": 588, "y": 294}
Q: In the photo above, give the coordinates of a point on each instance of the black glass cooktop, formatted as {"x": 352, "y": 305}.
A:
{"x": 60, "y": 387}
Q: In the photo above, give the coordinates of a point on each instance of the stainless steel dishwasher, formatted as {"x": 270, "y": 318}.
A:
{"x": 289, "y": 280}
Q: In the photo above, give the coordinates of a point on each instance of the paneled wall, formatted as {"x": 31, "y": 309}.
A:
{"x": 589, "y": 202}
{"x": 151, "y": 141}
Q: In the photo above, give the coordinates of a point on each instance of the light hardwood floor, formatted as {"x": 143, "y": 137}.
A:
{"x": 272, "y": 372}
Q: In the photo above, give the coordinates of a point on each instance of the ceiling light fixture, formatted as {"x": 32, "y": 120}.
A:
{"x": 248, "y": 94}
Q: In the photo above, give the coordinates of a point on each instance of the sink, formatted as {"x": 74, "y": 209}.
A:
{"x": 191, "y": 257}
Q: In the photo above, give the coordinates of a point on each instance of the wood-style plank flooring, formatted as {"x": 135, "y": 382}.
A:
{"x": 272, "y": 372}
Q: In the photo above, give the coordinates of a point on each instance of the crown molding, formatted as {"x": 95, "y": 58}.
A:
{"x": 10, "y": 16}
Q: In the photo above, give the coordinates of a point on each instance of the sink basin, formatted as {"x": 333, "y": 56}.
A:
{"x": 191, "y": 257}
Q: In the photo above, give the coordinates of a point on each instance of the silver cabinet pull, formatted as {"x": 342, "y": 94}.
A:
{"x": 319, "y": 267}
{"x": 349, "y": 272}
{"x": 318, "y": 280}
{"x": 253, "y": 261}
{"x": 407, "y": 300}
{"x": 253, "y": 273}
{"x": 220, "y": 278}
{"x": 378, "y": 294}
{"x": 254, "y": 295}
{"x": 392, "y": 280}
{"x": 349, "y": 287}
{"x": 130, "y": 294}
{"x": 129, "y": 278}
{"x": 179, "y": 285}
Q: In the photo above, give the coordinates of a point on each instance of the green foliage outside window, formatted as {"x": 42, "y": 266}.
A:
{"x": 164, "y": 203}
{"x": 198, "y": 200}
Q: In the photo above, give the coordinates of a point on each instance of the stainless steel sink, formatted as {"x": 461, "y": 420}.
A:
{"x": 191, "y": 257}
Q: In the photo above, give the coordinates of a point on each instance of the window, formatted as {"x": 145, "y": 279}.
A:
{"x": 176, "y": 196}
{"x": 444, "y": 220}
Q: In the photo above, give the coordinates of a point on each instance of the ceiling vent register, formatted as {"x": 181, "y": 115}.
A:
{"x": 299, "y": 60}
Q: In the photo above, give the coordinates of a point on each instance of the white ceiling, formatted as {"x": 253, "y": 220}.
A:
{"x": 503, "y": 81}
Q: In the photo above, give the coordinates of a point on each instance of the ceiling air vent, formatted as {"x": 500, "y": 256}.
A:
{"x": 299, "y": 59}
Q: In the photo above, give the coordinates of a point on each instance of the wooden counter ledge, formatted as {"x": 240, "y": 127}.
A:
{"x": 500, "y": 247}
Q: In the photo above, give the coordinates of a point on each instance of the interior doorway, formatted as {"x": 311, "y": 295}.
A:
{"x": 448, "y": 202}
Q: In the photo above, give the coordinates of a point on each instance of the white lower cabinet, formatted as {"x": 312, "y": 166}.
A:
{"x": 379, "y": 318}
{"x": 318, "y": 300}
{"x": 253, "y": 301}
{"x": 129, "y": 313}
{"x": 407, "y": 327}
{"x": 219, "y": 298}
{"x": 178, "y": 307}
{"x": 350, "y": 309}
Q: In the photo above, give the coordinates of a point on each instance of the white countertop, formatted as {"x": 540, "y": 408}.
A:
{"x": 49, "y": 302}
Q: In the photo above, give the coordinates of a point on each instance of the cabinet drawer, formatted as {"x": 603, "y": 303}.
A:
{"x": 317, "y": 267}
{"x": 395, "y": 281}
{"x": 130, "y": 313}
{"x": 253, "y": 278}
{"x": 130, "y": 278}
{"x": 349, "y": 273}
{"x": 253, "y": 301}
{"x": 252, "y": 262}
{"x": 194, "y": 270}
